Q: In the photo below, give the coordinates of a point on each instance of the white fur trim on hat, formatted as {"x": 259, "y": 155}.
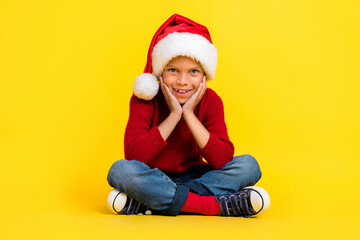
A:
{"x": 184, "y": 44}
{"x": 146, "y": 86}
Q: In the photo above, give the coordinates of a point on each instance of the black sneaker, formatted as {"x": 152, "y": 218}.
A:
{"x": 250, "y": 201}
{"x": 121, "y": 203}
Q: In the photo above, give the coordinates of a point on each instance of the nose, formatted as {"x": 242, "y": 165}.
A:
{"x": 181, "y": 80}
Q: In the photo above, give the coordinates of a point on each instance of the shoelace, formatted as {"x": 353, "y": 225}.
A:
{"x": 135, "y": 207}
{"x": 132, "y": 207}
{"x": 236, "y": 204}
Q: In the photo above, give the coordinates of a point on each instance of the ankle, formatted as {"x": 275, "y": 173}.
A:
{"x": 206, "y": 205}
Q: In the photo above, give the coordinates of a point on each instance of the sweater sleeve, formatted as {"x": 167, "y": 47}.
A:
{"x": 142, "y": 142}
{"x": 219, "y": 150}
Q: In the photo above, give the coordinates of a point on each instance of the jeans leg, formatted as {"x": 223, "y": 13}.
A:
{"x": 242, "y": 171}
{"x": 149, "y": 186}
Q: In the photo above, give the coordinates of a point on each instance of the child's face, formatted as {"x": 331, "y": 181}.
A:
{"x": 183, "y": 76}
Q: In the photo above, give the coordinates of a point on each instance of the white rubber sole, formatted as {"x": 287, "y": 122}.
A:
{"x": 260, "y": 200}
{"x": 116, "y": 201}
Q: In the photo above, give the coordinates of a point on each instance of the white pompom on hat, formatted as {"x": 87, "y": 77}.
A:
{"x": 178, "y": 36}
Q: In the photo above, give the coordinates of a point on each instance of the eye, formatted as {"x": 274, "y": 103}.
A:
{"x": 194, "y": 71}
{"x": 171, "y": 70}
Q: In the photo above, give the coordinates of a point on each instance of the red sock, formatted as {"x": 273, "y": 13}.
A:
{"x": 206, "y": 205}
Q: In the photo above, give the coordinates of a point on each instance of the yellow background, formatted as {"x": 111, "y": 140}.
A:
{"x": 288, "y": 75}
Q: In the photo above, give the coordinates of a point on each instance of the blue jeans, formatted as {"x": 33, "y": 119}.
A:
{"x": 167, "y": 193}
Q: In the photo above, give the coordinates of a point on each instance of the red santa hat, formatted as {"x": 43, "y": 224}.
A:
{"x": 178, "y": 36}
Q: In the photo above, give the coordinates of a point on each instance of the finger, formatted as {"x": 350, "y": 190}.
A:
{"x": 204, "y": 82}
{"x": 161, "y": 81}
{"x": 204, "y": 87}
{"x": 200, "y": 91}
{"x": 196, "y": 93}
{"x": 165, "y": 88}
{"x": 169, "y": 93}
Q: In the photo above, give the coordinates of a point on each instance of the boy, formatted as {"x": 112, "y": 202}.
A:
{"x": 170, "y": 131}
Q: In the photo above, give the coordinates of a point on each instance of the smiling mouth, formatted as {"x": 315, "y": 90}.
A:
{"x": 182, "y": 91}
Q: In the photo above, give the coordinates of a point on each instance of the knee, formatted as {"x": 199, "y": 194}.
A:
{"x": 119, "y": 171}
{"x": 249, "y": 163}
{"x": 115, "y": 170}
{"x": 125, "y": 173}
{"x": 118, "y": 166}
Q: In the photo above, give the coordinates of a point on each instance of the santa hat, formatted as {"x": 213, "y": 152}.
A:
{"x": 178, "y": 36}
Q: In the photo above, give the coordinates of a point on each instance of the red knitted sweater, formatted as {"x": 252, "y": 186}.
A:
{"x": 180, "y": 152}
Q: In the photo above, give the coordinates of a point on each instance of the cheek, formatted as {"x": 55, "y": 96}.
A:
{"x": 197, "y": 82}
{"x": 167, "y": 80}
{"x": 196, "y": 87}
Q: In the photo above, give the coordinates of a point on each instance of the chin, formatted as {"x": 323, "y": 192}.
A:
{"x": 182, "y": 101}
